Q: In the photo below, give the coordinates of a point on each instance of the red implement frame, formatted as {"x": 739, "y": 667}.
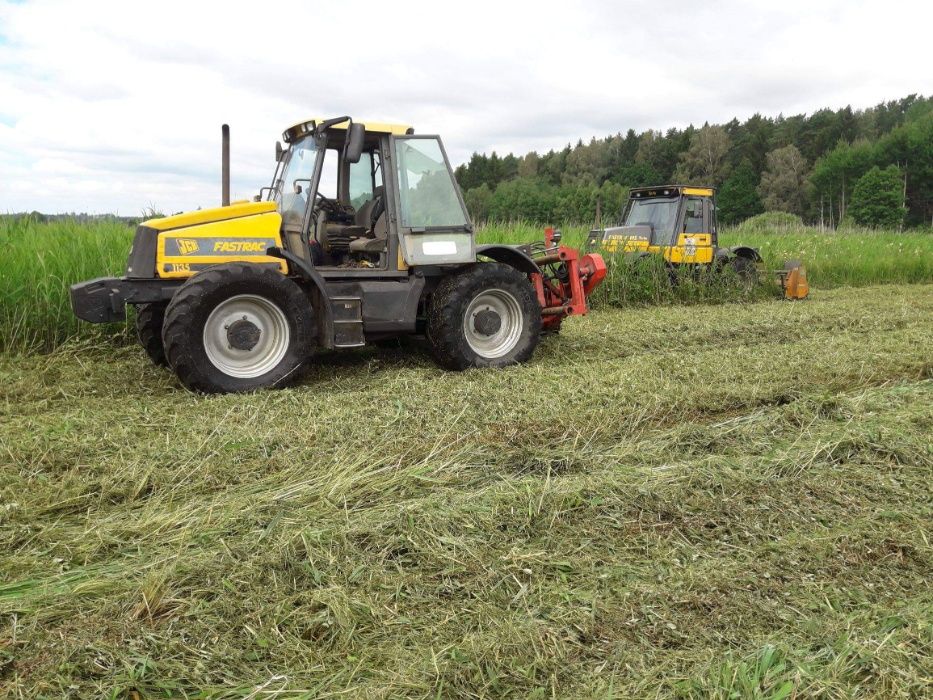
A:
{"x": 565, "y": 280}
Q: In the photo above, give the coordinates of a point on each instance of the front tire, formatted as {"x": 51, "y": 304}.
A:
{"x": 485, "y": 316}
{"x": 238, "y": 327}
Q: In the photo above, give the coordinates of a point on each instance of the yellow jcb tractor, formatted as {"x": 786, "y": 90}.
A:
{"x": 678, "y": 222}
{"x": 362, "y": 235}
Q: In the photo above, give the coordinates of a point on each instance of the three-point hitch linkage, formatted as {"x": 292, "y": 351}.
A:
{"x": 565, "y": 280}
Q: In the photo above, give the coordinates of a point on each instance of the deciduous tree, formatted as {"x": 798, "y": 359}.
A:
{"x": 782, "y": 183}
{"x": 877, "y": 198}
{"x": 705, "y": 162}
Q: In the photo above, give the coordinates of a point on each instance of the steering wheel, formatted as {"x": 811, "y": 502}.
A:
{"x": 322, "y": 202}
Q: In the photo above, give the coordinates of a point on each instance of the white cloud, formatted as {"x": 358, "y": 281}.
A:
{"x": 116, "y": 106}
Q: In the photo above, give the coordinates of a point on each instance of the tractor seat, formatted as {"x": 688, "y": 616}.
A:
{"x": 367, "y": 214}
{"x": 376, "y": 244}
{"x": 371, "y": 216}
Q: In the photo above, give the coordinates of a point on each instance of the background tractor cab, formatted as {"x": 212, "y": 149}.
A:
{"x": 674, "y": 221}
{"x": 369, "y": 196}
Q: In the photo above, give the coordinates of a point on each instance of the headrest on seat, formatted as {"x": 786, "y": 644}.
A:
{"x": 380, "y": 204}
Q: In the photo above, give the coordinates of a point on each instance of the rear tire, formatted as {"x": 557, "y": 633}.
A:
{"x": 238, "y": 327}
{"x": 149, "y": 320}
{"x": 745, "y": 269}
{"x": 485, "y": 316}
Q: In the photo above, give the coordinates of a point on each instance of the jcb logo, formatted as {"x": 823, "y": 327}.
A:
{"x": 187, "y": 246}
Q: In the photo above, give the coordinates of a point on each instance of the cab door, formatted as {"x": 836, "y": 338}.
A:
{"x": 695, "y": 237}
{"x": 433, "y": 224}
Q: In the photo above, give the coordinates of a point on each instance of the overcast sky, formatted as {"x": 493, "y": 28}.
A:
{"x": 113, "y": 107}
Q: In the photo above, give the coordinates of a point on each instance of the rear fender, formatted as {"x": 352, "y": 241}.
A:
{"x": 738, "y": 251}
{"x": 509, "y": 255}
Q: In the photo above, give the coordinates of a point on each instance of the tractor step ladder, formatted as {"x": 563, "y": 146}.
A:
{"x": 348, "y": 321}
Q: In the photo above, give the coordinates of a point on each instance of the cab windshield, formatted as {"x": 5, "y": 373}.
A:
{"x": 659, "y": 214}
{"x": 299, "y": 166}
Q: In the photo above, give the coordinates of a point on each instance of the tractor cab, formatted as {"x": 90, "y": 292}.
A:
{"x": 369, "y": 196}
{"x": 675, "y": 221}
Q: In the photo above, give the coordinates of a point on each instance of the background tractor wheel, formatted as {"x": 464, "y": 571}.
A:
{"x": 238, "y": 327}
{"x": 745, "y": 269}
{"x": 486, "y": 316}
{"x": 149, "y": 318}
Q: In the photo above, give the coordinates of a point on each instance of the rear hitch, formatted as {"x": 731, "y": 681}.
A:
{"x": 564, "y": 279}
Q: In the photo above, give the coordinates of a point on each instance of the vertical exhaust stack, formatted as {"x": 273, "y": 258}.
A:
{"x": 225, "y": 165}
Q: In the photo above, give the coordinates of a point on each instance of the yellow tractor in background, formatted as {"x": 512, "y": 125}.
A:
{"x": 678, "y": 222}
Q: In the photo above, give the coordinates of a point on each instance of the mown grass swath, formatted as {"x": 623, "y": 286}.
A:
{"x": 42, "y": 259}
{"x": 718, "y": 501}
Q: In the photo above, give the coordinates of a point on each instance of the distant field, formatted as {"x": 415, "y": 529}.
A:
{"x": 716, "y": 501}
{"x": 39, "y": 261}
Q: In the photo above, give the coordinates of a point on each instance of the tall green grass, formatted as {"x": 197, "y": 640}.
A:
{"x": 846, "y": 258}
{"x": 38, "y": 263}
{"x": 852, "y": 258}
{"x": 40, "y": 260}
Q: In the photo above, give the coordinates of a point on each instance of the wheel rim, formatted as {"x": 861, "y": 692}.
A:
{"x": 246, "y": 336}
{"x": 488, "y": 336}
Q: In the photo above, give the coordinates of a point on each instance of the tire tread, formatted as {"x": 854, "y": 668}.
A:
{"x": 449, "y": 302}
{"x": 181, "y": 353}
{"x": 149, "y": 322}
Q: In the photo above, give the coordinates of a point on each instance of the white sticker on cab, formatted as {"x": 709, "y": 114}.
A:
{"x": 439, "y": 247}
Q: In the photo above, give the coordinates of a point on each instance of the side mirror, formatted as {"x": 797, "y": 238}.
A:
{"x": 279, "y": 151}
{"x": 353, "y": 148}
{"x": 297, "y": 188}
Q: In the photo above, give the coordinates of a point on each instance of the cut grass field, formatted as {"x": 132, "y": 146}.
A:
{"x": 710, "y": 501}
{"x": 40, "y": 260}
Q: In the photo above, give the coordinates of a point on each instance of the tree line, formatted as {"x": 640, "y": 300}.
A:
{"x": 872, "y": 166}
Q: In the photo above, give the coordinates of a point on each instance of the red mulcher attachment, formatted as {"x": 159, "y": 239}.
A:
{"x": 565, "y": 281}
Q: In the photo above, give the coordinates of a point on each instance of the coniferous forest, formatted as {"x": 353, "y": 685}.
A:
{"x": 871, "y": 167}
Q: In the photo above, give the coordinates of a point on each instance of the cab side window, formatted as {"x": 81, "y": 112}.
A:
{"x": 427, "y": 190}
{"x": 693, "y": 216}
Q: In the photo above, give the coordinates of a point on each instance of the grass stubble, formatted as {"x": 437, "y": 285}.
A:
{"x": 706, "y": 501}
